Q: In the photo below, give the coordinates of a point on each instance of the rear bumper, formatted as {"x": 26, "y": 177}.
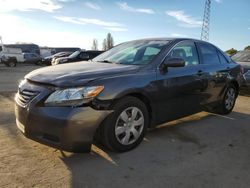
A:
{"x": 69, "y": 129}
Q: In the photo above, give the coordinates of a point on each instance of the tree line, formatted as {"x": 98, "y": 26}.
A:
{"x": 233, "y": 51}
{"x": 107, "y": 43}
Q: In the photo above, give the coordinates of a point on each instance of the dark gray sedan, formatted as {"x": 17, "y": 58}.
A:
{"x": 121, "y": 93}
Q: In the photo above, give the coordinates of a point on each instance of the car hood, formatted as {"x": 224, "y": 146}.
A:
{"x": 77, "y": 74}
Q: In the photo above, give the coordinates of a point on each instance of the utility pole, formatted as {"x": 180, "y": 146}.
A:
{"x": 206, "y": 21}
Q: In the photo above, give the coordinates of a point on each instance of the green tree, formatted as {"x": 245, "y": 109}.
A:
{"x": 231, "y": 51}
{"x": 247, "y": 48}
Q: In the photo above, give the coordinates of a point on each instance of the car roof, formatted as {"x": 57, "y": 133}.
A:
{"x": 167, "y": 39}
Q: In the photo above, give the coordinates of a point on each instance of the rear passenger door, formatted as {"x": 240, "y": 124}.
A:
{"x": 216, "y": 72}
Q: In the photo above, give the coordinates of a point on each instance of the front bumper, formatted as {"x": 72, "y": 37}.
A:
{"x": 66, "y": 128}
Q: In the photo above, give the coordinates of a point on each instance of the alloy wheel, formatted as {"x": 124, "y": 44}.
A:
{"x": 230, "y": 98}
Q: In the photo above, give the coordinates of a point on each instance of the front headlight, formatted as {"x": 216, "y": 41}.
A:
{"x": 73, "y": 96}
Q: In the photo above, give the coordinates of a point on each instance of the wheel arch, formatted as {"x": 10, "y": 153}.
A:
{"x": 98, "y": 136}
{"x": 236, "y": 85}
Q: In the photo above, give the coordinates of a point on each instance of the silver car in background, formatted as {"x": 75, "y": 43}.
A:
{"x": 243, "y": 58}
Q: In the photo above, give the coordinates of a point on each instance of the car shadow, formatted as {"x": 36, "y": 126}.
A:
{"x": 245, "y": 91}
{"x": 195, "y": 151}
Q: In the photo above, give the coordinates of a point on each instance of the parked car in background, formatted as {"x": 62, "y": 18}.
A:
{"x": 122, "y": 92}
{"x": 48, "y": 60}
{"x": 8, "y": 61}
{"x": 11, "y": 56}
{"x": 32, "y": 58}
{"x": 243, "y": 58}
{"x": 80, "y": 55}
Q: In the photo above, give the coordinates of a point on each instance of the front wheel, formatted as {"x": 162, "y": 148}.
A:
{"x": 12, "y": 64}
{"x": 125, "y": 128}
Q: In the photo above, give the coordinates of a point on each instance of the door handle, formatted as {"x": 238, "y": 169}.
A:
{"x": 200, "y": 73}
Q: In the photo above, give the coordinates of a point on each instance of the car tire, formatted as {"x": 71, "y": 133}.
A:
{"x": 38, "y": 63}
{"x": 6, "y": 64}
{"x": 11, "y": 64}
{"x": 227, "y": 104}
{"x": 125, "y": 128}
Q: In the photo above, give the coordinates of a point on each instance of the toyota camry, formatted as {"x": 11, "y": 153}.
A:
{"x": 117, "y": 96}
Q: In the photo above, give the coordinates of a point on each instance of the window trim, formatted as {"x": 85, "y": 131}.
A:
{"x": 228, "y": 59}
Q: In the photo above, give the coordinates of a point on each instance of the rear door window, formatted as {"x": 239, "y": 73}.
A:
{"x": 222, "y": 58}
{"x": 209, "y": 54}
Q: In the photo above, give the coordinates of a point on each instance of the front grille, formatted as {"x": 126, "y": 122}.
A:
{"x": 25, "y": 96}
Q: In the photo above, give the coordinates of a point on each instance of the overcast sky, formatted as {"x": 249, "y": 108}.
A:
{"x": 74, "y": 23}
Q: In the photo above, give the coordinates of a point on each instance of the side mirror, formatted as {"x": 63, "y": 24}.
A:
{"x": 172, "y": 62}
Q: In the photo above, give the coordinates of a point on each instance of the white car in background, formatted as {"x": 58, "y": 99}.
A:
{"x": 10, "y": 56}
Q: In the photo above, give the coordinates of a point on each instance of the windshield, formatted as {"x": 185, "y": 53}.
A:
{"x": 133, "y": 53}
{"x": 76, "y": 53}
{"x": 242, "y": 56}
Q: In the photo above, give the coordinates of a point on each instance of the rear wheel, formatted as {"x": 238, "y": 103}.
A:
{"x": 125, "y": 128}
{"x": 11, "y": 63}
{"x": 228, "y": 101}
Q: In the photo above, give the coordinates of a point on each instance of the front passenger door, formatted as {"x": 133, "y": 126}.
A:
{"x": 180, "y": 87}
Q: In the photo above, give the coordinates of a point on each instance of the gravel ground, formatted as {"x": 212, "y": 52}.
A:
{"x": 202, "y": 150}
